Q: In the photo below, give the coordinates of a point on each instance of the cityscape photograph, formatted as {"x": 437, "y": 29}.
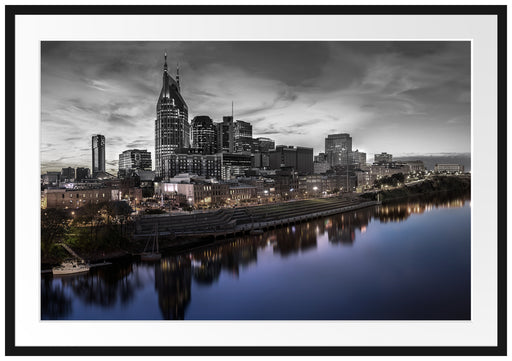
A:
{"x": 255, "y": 180}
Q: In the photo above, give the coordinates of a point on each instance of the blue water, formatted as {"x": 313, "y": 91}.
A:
{"x": 407, "y": 261}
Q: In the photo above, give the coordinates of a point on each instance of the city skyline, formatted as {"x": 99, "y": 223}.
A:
{"x": 397, "y": 97}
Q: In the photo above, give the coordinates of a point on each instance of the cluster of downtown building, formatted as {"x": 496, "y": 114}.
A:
{"x": 206, "y": 163}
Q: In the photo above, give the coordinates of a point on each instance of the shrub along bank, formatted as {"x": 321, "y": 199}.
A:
{"x": 452, "y": 184}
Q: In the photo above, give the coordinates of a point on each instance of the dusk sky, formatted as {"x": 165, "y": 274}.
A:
{"x": 404, "y": 98}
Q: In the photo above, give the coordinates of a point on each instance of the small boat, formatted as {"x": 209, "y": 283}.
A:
{"x": 70, "y": 267}
{"x": 153, "y": 254}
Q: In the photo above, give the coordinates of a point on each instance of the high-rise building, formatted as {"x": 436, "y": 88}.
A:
{"x": 209, "y": 165}
{"x": 134, "y": 159}
{"x": 260, "y": 160}
{"x": 266, "y": 144}
{"x": 243, "y": 136}
{"x": 242, "y": 129}
{"x": 299, "y": 158}
{"x": 98, "y": 154}
{"x": 67, "y": 173}
{"x": 338, "y": 148}
{"x": 235, "y": 164}
{"x": 260, "y": 152}
{"x": 283, "y": 156}
{"x": 244, "y": 144}
{"x": 172, "y": 129}
{"x": 383, "y": 158}
{"x": 359, "y": 158}
{"x": 226, "y": 135}
{"x": 304, "y": 160}
{"x": 320, "y": 167}
{"x": 82, "y": 173}
{"x": 321, "y": 157}
{"x": 203, "y": 134}
{"x": 320, "y": 164}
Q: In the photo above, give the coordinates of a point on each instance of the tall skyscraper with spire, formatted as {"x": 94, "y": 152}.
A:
{"x": 172, "y": 129}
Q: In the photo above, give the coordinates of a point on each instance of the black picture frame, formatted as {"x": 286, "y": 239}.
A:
{"x": 10, "y": 182}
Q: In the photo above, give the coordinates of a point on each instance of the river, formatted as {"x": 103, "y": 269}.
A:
{"x": 410, "y": 260}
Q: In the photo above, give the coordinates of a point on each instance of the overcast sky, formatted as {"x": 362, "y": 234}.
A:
{"x": 397, "y": 97}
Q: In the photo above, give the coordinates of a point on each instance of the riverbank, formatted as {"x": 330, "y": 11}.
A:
{"x": 262, "y": 219}
{"x": 231, "y": 222}
{"x": 182, "y": 232}
{"x": 439, "y": 184}
{"x": 186, "y": 231}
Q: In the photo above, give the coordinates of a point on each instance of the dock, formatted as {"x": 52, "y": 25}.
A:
{"x": 71, "y": 252}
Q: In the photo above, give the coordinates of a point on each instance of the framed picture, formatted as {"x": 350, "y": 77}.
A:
{"x": 255, "y": 180}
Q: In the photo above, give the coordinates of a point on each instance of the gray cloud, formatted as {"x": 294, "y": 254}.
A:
{"x": 118, "y": 118}
{"x": 140, "y": 144}
{"x": 400, "y": 97}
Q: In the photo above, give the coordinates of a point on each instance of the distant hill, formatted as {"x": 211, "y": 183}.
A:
{"x": 430, "y": 160}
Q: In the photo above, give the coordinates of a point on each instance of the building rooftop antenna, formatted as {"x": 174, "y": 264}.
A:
{"x": 178, "y": 75}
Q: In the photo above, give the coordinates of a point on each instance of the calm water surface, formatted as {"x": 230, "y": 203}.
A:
{"x": 409, "y": 260}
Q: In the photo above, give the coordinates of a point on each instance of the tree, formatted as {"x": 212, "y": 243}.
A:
{"x": 120, "y": 208}
{"x": 90, "y": 215}
{"x": 54, "y": 224}
{"x": 114, "y": 209}
{"x": 399, "y": 177}
{"x": 392, "y": 180}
